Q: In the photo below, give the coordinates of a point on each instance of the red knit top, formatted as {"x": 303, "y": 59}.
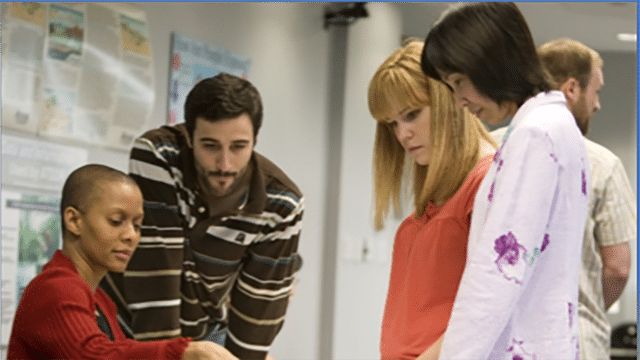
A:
{"x": 429, "y": 255}
{"x": 56, "y": 319}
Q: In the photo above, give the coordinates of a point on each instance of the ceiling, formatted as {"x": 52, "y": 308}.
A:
{"x": 595, "y": 24}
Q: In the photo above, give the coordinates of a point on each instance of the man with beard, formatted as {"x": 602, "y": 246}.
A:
{"x": 576, "y": 70}
{"x": 219, "y": 243}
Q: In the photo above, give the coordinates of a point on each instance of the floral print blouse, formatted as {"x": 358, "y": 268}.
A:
{"x": 519, "y": 289}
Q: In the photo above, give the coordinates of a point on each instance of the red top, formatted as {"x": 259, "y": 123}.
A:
{"x": 429, "y": 255}
{"x": 56, "y": 319}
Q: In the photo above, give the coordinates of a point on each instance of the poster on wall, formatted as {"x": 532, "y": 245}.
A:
{"x": 30, "y": 236}
{"x": 38, "y": 165}
{"x": 80, "y": 72}
{"x": 192, "y": 61}
{"x": 33, "y": 173}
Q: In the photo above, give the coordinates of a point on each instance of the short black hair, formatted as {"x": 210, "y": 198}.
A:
{"x": 223, "y": 96}
{"x": 489, "y": 42}
{"x": 81, "y": 186}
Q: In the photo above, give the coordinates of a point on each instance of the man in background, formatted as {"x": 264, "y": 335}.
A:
{"x": 218, "y": 252}
{"x": 576, "y": 70}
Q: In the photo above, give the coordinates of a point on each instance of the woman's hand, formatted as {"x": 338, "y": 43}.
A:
{"x": 432, "y": 351}
{"x": 206, "y": 350}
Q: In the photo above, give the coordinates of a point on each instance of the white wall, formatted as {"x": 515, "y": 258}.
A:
{"x": 361, "y": 287}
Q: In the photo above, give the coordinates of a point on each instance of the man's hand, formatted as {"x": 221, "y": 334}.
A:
{"x": 206, "y": 350}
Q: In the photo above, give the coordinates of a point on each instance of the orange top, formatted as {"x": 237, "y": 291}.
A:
{"x": 429, "y": 255}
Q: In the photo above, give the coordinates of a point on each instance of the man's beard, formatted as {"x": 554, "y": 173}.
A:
{"x": 213, "y": 179}
{"x": 583, "y": 125}
{"x": 208, "y": 179}
{"x": 581, "y": 115}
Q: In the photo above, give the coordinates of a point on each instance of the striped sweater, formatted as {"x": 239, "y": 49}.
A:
{"x": 191, "y": 270}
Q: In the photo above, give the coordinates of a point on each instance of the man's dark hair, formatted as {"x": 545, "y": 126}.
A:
{"x": 221, "y": 97}
{"x": 82, "y": 186}
{"x": 490, "y": 43}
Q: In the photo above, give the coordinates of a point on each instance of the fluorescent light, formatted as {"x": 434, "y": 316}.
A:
{"x": 628, "y": 37}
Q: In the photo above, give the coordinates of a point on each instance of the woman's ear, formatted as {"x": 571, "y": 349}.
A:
{"x": 72, "y": 219}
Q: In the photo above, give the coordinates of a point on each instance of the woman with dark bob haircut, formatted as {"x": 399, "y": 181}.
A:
{"x": 518, "y": 295}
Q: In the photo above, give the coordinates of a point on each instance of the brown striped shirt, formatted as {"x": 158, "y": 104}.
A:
{"x": 192, "y": 270}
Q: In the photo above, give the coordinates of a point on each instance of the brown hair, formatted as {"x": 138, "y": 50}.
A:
{"x": 455, "y": 135}
{"x": 221, "y": 97}
{"x": 566, "y": 58}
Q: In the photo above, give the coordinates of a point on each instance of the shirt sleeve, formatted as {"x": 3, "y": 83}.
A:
{"x": 510, "y": 235}
{"x": 61, "y": 324}
{"x": 151, "y": 283}
{"x": 615, "y": 214}
{"x": 260, "y": 296}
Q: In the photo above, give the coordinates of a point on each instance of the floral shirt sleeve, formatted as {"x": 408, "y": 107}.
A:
{"x": 509, "y": 232}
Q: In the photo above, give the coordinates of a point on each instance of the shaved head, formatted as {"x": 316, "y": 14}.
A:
{"x": 86, "y": 184}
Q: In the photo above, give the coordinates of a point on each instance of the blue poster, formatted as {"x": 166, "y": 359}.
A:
{"x": 192, "y": 61}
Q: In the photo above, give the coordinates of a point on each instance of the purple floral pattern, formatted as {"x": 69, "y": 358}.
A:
{"x": 554, "y": 157}
{"x": 518, "y": 351}
{"x": 545, "y": 242}
{"x": 490, "y": 196}
{"x": 496, "y": 156}
{"x": 509, "y": 254}
{"x": 571, "y": 311}
{"x": 537, "y": 251}
{"x": 584, "y": 182}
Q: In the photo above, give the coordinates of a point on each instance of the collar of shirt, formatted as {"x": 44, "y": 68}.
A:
{"x": 543, "y": 98}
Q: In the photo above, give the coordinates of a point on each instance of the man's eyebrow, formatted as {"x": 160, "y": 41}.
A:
{"x": 214, "y": 140}
{"x": 210, "y": 139}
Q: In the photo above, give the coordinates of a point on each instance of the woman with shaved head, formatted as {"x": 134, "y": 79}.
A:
{"x": 62, "y": 313}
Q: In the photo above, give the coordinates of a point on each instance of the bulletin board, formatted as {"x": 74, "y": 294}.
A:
{"x": 77, "y": 72}
{"x": 192, "y": 61}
